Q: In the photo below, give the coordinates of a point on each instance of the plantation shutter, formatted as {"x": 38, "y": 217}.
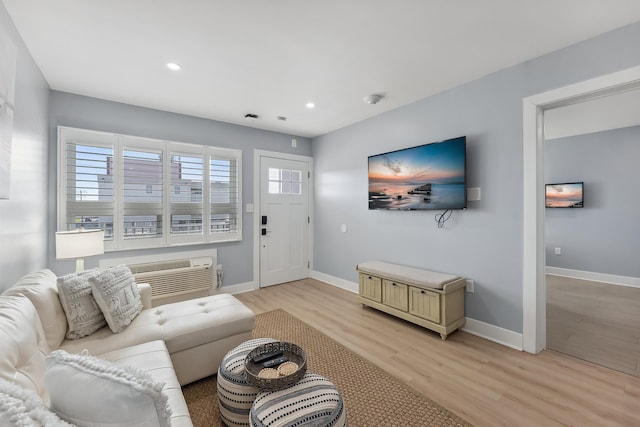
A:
{"x": 225, "y": 194}
{"x": 186, "y": 208}
{"x": 148, "y": 193}
{"x": 142, "y": 191}
{"x": 87, "y": 181}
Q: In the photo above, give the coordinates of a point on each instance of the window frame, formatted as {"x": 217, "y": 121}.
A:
{"x": 120, "y": 143}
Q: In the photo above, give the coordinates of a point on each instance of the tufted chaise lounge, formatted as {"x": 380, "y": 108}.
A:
{"x": 176, "y": 343}
{"x": 197, "y": 333}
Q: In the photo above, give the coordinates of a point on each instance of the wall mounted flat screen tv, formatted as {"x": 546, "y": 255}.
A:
{"x": 430, "y": 176}
{"x": 565, "y": 195}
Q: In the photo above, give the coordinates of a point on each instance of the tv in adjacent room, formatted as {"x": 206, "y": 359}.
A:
{"x": 564, "y": 195}
{"x": 430, "y": 176}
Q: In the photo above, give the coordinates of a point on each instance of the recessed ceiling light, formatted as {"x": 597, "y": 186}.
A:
{"x": 173, "y": 66}
{"x": 310, "y": 105}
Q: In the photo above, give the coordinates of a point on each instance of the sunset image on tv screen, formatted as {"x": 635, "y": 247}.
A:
{"x": 430, "y": 176}
{"x": 564, "y": 195}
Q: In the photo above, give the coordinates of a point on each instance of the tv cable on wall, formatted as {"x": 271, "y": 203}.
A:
{"x": 443, "y": 217}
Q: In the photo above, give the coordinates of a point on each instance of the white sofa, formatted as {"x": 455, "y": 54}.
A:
{"x": 176, "y": 343}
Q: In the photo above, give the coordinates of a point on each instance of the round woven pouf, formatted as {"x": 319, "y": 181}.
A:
{"x": 235, "y": 394}
{"x": 313, "y": 400}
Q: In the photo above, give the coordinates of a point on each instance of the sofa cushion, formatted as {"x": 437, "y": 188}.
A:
{"x": 180, "y": 325}
{"x": 23, "y": 345}
{"x": 40, "y": 287}
{"x": 89, "y": 391}
{"x": 153, "y": 358}
{"x": 116, "y": 293}
{"x": 83, "y": 314}
{"x": 22, "y": 407}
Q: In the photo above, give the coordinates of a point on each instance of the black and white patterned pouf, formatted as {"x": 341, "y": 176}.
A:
{"x": 235, "y": 394}
{"x": 313, "y": 400}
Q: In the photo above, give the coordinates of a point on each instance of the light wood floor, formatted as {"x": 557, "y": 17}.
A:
{"x": 594, "y": 321}
{"x": 483, "y": 382}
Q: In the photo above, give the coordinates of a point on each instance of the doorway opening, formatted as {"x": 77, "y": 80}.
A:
{"x": 534, "y": 286}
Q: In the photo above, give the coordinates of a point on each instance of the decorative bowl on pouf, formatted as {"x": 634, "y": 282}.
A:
{"x": 275, "y": 365}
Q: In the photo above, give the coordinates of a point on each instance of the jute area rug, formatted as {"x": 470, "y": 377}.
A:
{"x": 373, "y": 398}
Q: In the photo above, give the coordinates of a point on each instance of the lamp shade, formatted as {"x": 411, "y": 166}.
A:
{"x": 79, "y": 243}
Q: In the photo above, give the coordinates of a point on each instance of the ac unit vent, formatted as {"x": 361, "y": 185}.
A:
{"x": 159, "y": 266}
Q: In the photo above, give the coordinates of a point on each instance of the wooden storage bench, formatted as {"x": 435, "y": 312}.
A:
{"x": 429, "y": 299}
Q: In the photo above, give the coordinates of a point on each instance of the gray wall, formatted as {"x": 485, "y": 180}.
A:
{"x": 485, "y": 241}
{"x": 91, "y": 113}
{"x": 23, "y": 218}
{"x": 604, "y": 236}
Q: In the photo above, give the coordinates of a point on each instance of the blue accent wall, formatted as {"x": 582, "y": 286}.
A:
{"x": 604, "y": 235}
{"x": 484, "y": 242}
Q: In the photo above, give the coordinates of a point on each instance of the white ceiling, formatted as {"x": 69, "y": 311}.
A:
{"x": 270, "y": 57}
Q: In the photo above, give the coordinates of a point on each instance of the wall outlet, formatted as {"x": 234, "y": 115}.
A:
{"x": 558, "y": 251}
{"x": 471, "y": 288}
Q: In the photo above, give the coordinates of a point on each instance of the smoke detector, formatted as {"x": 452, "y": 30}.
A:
{"x": 372, "y": 99}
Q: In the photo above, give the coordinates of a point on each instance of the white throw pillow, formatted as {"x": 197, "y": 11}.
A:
{"x": 83, "y": 314}
{"x": 21, "y": 407}
{"x": 116, "y": 292}
{"x": 88, "y": 391}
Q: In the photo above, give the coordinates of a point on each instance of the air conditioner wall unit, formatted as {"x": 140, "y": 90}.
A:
{"x": 176, "y": 280}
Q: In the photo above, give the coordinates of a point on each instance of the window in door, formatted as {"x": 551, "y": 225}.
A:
{"x": 285, "y": 181}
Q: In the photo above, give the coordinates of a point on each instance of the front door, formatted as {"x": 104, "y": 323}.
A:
{"x": 284, "y": 220}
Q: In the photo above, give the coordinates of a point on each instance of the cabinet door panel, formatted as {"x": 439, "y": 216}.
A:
{"x": 394, "y": 294}
{"x": 425, "y": 304}
{"x": 370, "y": 287}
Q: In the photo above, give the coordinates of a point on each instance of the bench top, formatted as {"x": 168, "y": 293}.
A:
{"x": 409, "y": 275}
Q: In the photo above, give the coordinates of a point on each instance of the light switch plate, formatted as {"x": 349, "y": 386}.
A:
{"x": 473, "y": 194}
{"x": 471, "y": 288}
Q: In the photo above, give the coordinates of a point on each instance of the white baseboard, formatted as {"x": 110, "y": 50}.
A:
{"x": 335, "y": 281}
{"x": 485, "y": 330}
{"x": 237, "y": 289}
{"x": 493, "y": 333}
{"x": 633, "y": 282}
